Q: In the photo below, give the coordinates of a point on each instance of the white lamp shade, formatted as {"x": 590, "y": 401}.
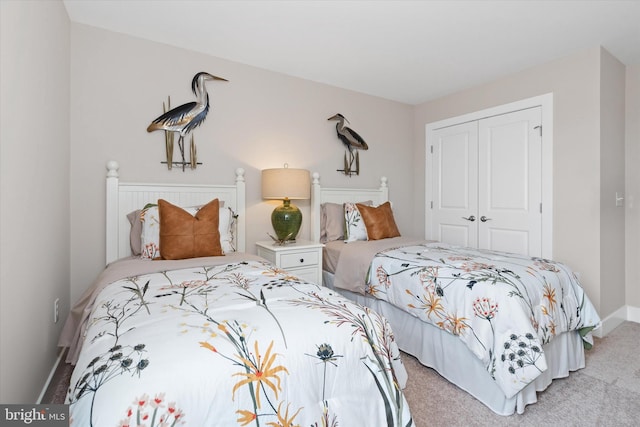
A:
{"x": 285, "y": 182}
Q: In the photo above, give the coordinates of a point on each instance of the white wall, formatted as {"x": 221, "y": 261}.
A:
{"x": 34, "y": 192}
{"x": 259, "y": 119}
{"x": 577, "y": 201}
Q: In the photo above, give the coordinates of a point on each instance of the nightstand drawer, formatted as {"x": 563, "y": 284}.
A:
{"x": 309, "y": 274}
{"x": 302, "y": 258}
{"x": 299, "y": 259}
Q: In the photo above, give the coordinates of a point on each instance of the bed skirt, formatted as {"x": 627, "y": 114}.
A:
{"x": 445, "y": 353}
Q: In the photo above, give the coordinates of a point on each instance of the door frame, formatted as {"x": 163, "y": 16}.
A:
{"x": 546, "y": 103}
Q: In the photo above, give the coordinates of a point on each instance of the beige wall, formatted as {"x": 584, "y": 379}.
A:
{"x": 34, "y": 192}
{"x": 258, "y": 120}
{"x": 575, "y": 82}
{"x": 612, "y": 181}
{"x": 91, "y": 94}
{"x": 632, "y": 191}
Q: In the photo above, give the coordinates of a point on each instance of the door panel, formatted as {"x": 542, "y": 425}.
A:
{"x": 455, "y": 187}
{"x": 509, "y": 181}
{"x": 507, "y": 240}
{"x": 454, "y": 234}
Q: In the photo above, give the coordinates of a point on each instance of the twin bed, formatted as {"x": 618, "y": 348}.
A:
{"x": 228, "y": 339}
{"x": 498, "y": 325}
{"x": 231, "y": 339}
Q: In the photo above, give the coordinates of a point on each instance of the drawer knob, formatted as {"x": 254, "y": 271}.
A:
{"x": 301, "y": 259}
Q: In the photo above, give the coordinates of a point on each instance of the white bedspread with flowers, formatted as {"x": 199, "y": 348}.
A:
{"x": 503, "y": 306}
{"x": 242, "y": 343}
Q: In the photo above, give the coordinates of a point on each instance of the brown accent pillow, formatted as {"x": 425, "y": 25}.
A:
{"x": 183, "y": 235}
{"x": 378, "y": 221}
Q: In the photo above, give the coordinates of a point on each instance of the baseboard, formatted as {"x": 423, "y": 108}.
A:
{"x": 53, "y": 371}
{"x": 633, "y": 314}
{"x": 612, "y": 321}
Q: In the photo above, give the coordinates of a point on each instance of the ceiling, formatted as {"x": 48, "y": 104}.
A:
{"x": 407, "y": 51}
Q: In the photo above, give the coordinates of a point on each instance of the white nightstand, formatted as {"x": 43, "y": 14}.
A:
{"x": 303, "y": 258}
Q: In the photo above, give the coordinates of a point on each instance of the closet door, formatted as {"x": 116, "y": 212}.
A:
{"x": 510, "y": 182}
{"x": 455, "y": 185}
{"x": 486, "y": 183}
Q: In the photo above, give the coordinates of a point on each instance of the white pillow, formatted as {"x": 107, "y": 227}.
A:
{"x": 354, "y": 224}
{"x": 226, "y": 226}
{"x": 150, "y": 237}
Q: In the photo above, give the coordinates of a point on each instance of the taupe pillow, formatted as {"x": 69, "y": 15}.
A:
{"x": 379, "y": 221}
{"x": 332, "y": 221}
{"x": 183, "y": 235}
{"x": 136, "y": 231}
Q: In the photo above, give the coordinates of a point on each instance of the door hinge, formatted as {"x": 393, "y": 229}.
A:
{"x": 539, "y": 127}
{"x": 431, "y": 204}
{"x": 540, "y": 207}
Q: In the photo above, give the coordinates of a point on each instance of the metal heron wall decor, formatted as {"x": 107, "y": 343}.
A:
{"x": 183, "y": 119}
{"x": 352, "y": 141}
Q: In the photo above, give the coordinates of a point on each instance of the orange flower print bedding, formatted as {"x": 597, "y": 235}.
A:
{"x": 239, "y": 344}
{"x": 503, "y": 306}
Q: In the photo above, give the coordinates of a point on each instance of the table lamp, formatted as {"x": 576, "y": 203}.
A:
{"x": 286, "y": 184}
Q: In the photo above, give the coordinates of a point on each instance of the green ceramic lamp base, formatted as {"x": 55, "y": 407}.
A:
{"x": 286, "y": 220}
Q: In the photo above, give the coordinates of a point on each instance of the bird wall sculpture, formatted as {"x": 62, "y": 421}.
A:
{"x": 184, "y": 118}
{"x": 352, "y": 141}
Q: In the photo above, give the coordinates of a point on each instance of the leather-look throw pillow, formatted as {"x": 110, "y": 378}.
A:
{"x": 183, "y": 235}
{"x": 379, "y": 221}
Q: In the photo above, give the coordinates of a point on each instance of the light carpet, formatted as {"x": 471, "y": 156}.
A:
{"x": 605, "y": 393}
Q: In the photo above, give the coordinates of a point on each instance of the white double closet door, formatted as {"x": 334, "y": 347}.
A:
{"x": 486, "y": 178}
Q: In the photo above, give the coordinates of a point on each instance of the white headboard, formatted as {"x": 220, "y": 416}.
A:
{"x": 124, "y": 197}
{"x": 321, "y": 195}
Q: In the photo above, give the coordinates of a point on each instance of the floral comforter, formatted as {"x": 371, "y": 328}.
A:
{"x": 503, "y": 306}
{"x": 241, "y": 343}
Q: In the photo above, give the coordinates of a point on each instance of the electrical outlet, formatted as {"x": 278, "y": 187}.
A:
{"x": 56, "y": 310}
